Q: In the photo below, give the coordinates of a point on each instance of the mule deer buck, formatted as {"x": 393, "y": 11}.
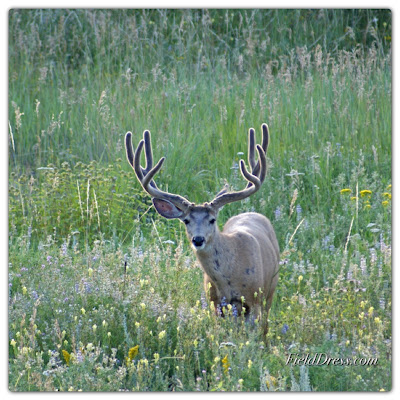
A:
{"x": 240, "y": 264}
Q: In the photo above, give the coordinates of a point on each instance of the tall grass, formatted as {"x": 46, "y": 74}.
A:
{"x": 95, "y": 272}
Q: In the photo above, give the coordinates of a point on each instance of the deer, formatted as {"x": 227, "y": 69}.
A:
{"x": 240, "y": 263}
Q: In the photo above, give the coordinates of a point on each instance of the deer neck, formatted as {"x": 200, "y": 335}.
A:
{"x": 213, "y": 258}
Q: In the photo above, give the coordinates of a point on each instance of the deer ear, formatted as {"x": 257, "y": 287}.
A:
{"x": 167, "y": 209}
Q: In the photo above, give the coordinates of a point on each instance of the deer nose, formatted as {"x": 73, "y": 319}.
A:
{"x": 198, "y": 240}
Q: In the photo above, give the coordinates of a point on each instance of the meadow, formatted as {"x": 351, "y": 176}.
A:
{"x": 104, "y": 294}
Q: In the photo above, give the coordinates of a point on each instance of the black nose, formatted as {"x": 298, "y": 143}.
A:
{"x": 198, "y": 240}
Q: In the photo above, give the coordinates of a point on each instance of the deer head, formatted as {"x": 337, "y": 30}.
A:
{"x": 200, "y": 220}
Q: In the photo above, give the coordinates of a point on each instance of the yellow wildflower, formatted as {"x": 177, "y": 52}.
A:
{"x": 271, "y": 380}
{"x": 389, "y": 187}
{"x": 67, "y": 356}
{"x": 133, "y": 352}
{"x": 370, "y": 311}
{"x": 161, "y": 335}
{"x": 365, "y": 192}
{"x": 353, "y": 198}
{"x": 300, "y": 278}
{"x": 345, "y": 191}
{"x": 225, "y": 364}
{"x": 385, "y": 203}
{"x": 387, "y": 194}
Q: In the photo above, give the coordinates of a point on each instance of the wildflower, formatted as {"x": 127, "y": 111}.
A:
{"x": 389, "y": 187}
{"x": 24, "y": 290}
{"x": 94, "y": 327}
{"x": 161, "y": 335}
{"x": 225, "y": 364}
{"x": 13, "y": 342}
{"x": 365, "y": 192}
{"x": 300, "y": 278}
{"x": 353, "y": 198}
{"x": 104, "y": 323}
{"x": 83, "y": 311}
{"x": 133, "y": 352}
{"x": 345, "y": 191}
{"x": 109, "y": 334}
{"x": 370, "y": 310}
{"x": 90, "y": 271}
{"x": 284, "y": 329}
{"x": 249, "y": 364}
{"x": 156, "y": 358}
{"x": 67, "y": 356}
{"x": 144, "y": 362}
{"x": 271, "y": 380}
{"x": 367, "y": 206}
{"x": 143, "y": 306}
{"x": 388, "y": 195}
{"x": 385, "y": 203}
{"x": 377, "y": 320}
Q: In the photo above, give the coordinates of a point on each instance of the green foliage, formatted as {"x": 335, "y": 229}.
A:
{"x": 94, "y": 272}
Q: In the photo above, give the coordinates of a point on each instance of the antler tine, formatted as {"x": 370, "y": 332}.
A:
{"x": 129, "y": 148}
{"x": 148, "y": 151}
{"x": 145, "y": 176}
{"x": 264, "y": 145}
{"x": 131, "y": 157}
{"x": 255, "y": 183}
{"x": 252, "y": 161}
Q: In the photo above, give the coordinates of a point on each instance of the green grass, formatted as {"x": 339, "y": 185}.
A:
{"x": 94, "y": 271}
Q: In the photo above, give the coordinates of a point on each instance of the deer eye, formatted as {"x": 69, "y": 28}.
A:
{"x": 186, "y": 221}
{"x": 212, "y": 221}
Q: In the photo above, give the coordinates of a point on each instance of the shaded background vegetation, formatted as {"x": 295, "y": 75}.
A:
{"x": 79, "y": 79}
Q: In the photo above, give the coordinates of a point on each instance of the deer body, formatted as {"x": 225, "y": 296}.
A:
{"x": 240, "y": 261}
{"x": 240, "y": 264}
